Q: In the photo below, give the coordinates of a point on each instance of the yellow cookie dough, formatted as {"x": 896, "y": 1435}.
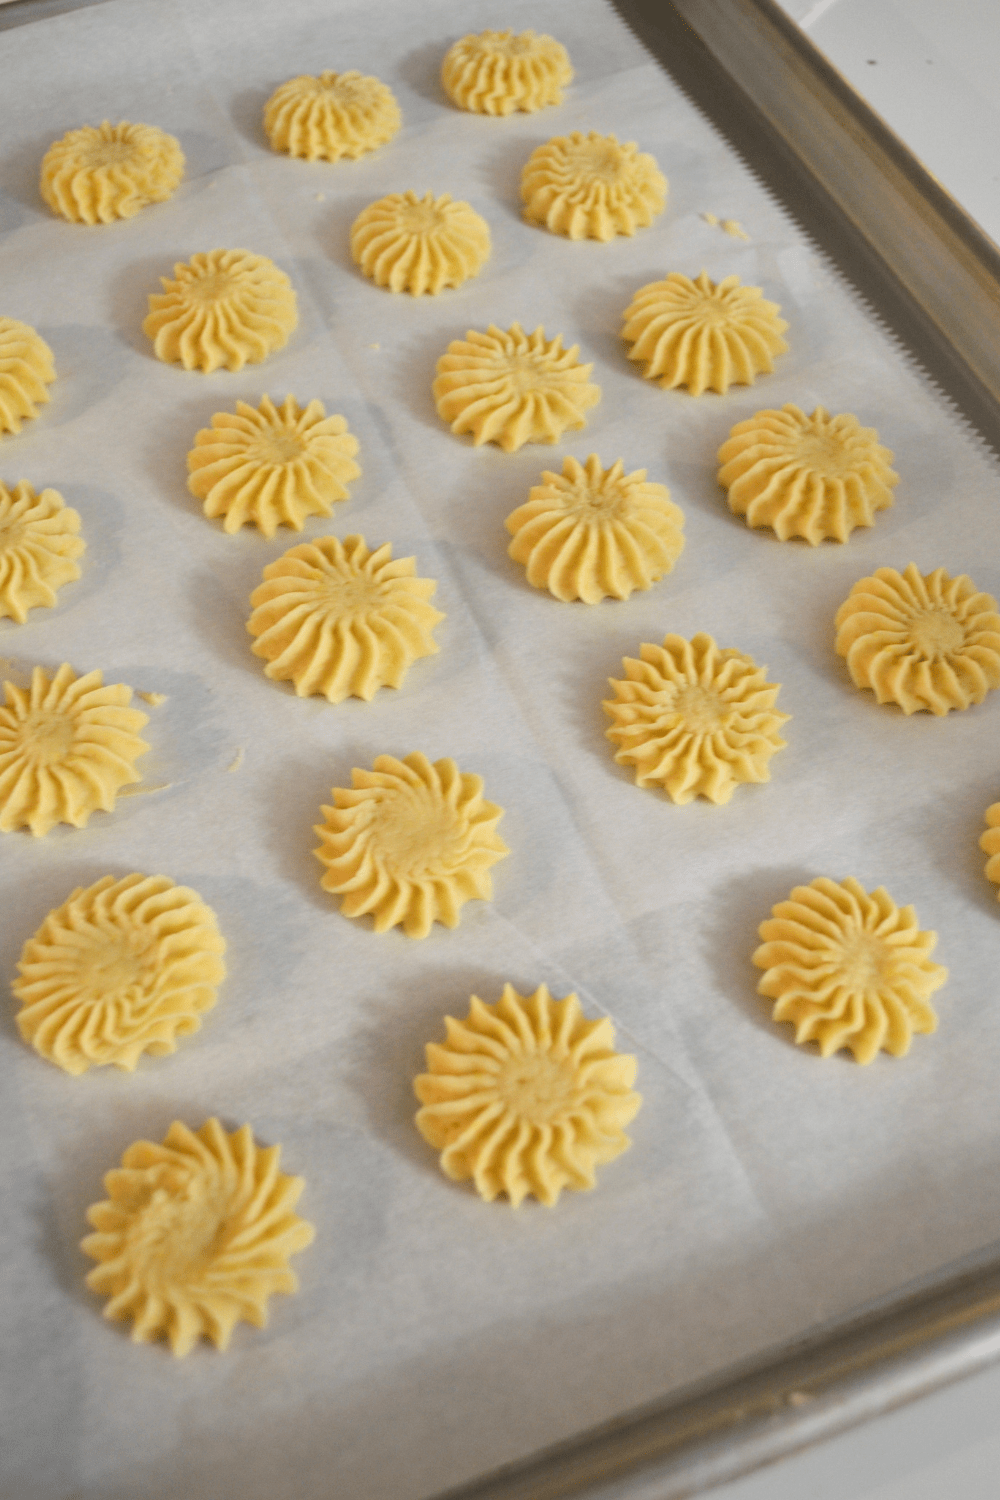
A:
{"x": 39, "y": 545}
{"x": 924, "y": 641}
{"x": 513, "y": 388}
{"x": 226, "y": 307}
{"x": 418, "y": 245}
{"x": 849, "y": 969}
{"x": 26, "y": 368}
{"x": 815, "y": 477}
{"x": 331, "y": 116}
{"x": 702, "y": 335}
{"x": 990, "y": 844}
{"x": 67, "y": 747}
{"x": 410, "y": 843}
{"x": 121, "y": 968}
{"x": 592, "y": 187}
{"x": 695, "y": 719}
{"x": 334, "y": 618}
{"x": 100, "y": 173}
{"x": 591, "y": 532}
{"x": 271, "y": 466}
{"x": 526, "y": 1096}
{"x": 195, "y": 1235}
{"x": 498, "y": 72}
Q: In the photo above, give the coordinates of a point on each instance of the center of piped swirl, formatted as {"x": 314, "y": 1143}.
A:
{"x": 420, "y": 218}
{"x": 701, "y": 709}
{"x": 823, "y": 452}
{"x": 864, "y": 960}
{"x": 109, "y": 154}
{"x": 935, "y": 633}
{"x": 536, "y": 1086}
{"x": 414, "y": 835}
{"x": 119, "y": 966}
{"x": 215, "y": 287}
{"x": 603, "y": 162}
{"x": 46, "y": 737}
{"x": 278, "y": 448}
{"x": 349, "y": 595}
{"x": 177, "y": 1230}
{"x": 595, "y": 502}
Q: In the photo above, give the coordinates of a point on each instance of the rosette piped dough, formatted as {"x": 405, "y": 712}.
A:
{"x": 195, "y": 1235}
{"x": 26, "y": 368}
{"x": 331, "y": 116}
{"x": 497, "y": 72}
{"x": 100, "y": 173}
{"x": 849, "y": 969}
{"x": 923, "y": 641}
{"x": 702, "y": 335}
{"x": 989, "y": 842}
{"x": 419, "y": 245}
{"x": 590, "y": 533}
{"x": 335, "y": 618}
{"x": 513, "y": 388}
{"x": 271, "y": 466}
{"x": 816, "y": 477}
{"x": 224, "y": 308}
{"x": 39, "y": 546}
{"x": 68, "y": 745}
{"x": 694, "y": 719}
{"x": 526, "y": 1096}
{"x": 410, "y": 843}
{"x": 592, "y": 187}
{"x": 121, "y": 968}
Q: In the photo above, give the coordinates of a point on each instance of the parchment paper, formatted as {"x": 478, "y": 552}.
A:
{"x": 767, "y": 1191}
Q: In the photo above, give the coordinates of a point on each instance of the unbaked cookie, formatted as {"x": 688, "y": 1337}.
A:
{"x": 100, "y": 173}
{"x": 224, "y": 307}
{"x": 989, "y": 842}
{"x": 331, "y": 116}
{"x": 39, "y": 545}
{"x": 592, "y": 187}
{"x": 498, "y": 72}
{"x": 702, "y": 335}
{"x": 26, "y": 368}
{"x": 418, "y": 245}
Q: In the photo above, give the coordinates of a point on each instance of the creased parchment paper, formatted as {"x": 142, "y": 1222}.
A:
{"x": 435, "y": 1336}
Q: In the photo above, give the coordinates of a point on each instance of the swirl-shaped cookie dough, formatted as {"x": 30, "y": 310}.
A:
{"x": 816, "y": 477}
{"x": 225, "y": 307}
{"x": 526, "y": 1096}
{"x": 100, "y": 173}
{"x": 849, "y": 969}
{"x": 39, "y": 546}
{"x": 26, "y": 368}
{"x": 989, "y": 842}
{"x": 334, "y": 115}
{"x": 694, "y": 719}
{"x": 591, "y": 187}
{"x": 513, "y": 388}
{"x": 121, "y": 968}
{"x": 410, "y": 843}
{"x": 923, "y": 641}
{"x": 195, "y": 1235}
{"x": 272, "y": 466}
{"x": 497, "y": 72}
{"x": 590, "y": 532}
{"x": 702, "y": 335}
{"x": 67, "y": 747}
{"x": 334, "y": 618}
{"x": 418, "y": 245}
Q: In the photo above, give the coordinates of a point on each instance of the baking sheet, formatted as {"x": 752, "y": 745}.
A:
{"x": 767, "y": 1191}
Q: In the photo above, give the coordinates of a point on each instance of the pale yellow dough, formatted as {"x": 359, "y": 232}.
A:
{"x": 195, "y": 1235}
{"x": 513, "y": 388}
{"x": 702, "y": 335}
{"x": 68, "y": 745}
{"x": 498, "y": 72}
{"x": 121, "y": 968}
{"x": 271, "y": 466}
{"x": 923, "y": 641}
{"x": 410, "y": 843}
{"x": 694, "y": 719}
{"x": 331, "y": 116}
{"x": 526, "y": 1096}
{"x": 849, "y": 969}
{"x": 39, "y": 545}
{"x": 990, "y": 844}
{"x": 591, "y": 533}
{"x": 335, "y": 618}
{"x": 592, "y": 187}
{"x": 816, "y": 477}
{"x": 26, "y": 368}
{"x": 100, "y": 173}
{"x": 419, "y": 245}
{"x": 224, "y": 307}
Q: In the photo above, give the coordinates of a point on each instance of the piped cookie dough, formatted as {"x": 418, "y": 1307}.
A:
{"x": 39, "y": 546}
{"x": 989, "y": 842}
{"x": 419, "y": 245}
{"x": 271, "y": 466}
{"x": 195, "y": 1235}
{"x": 498, "y": 72}
{"x": 925, "y": 641}
{"x": 410, "y": 843}
{"x": 526, "y": 1097}
{"x": 591, "y": 533}
{"x": 592, "y": 187}
{"x": 26, "y": 368}
{"x": 223, "y": 308}
{"x": 703, "y": 335}
{"x": 337, "y": 619}
{"x": 849, "y": 969}
{"x": 331, "y": 116}
{"x": 695, "y": 720}
{"x": 100, "y": 173}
